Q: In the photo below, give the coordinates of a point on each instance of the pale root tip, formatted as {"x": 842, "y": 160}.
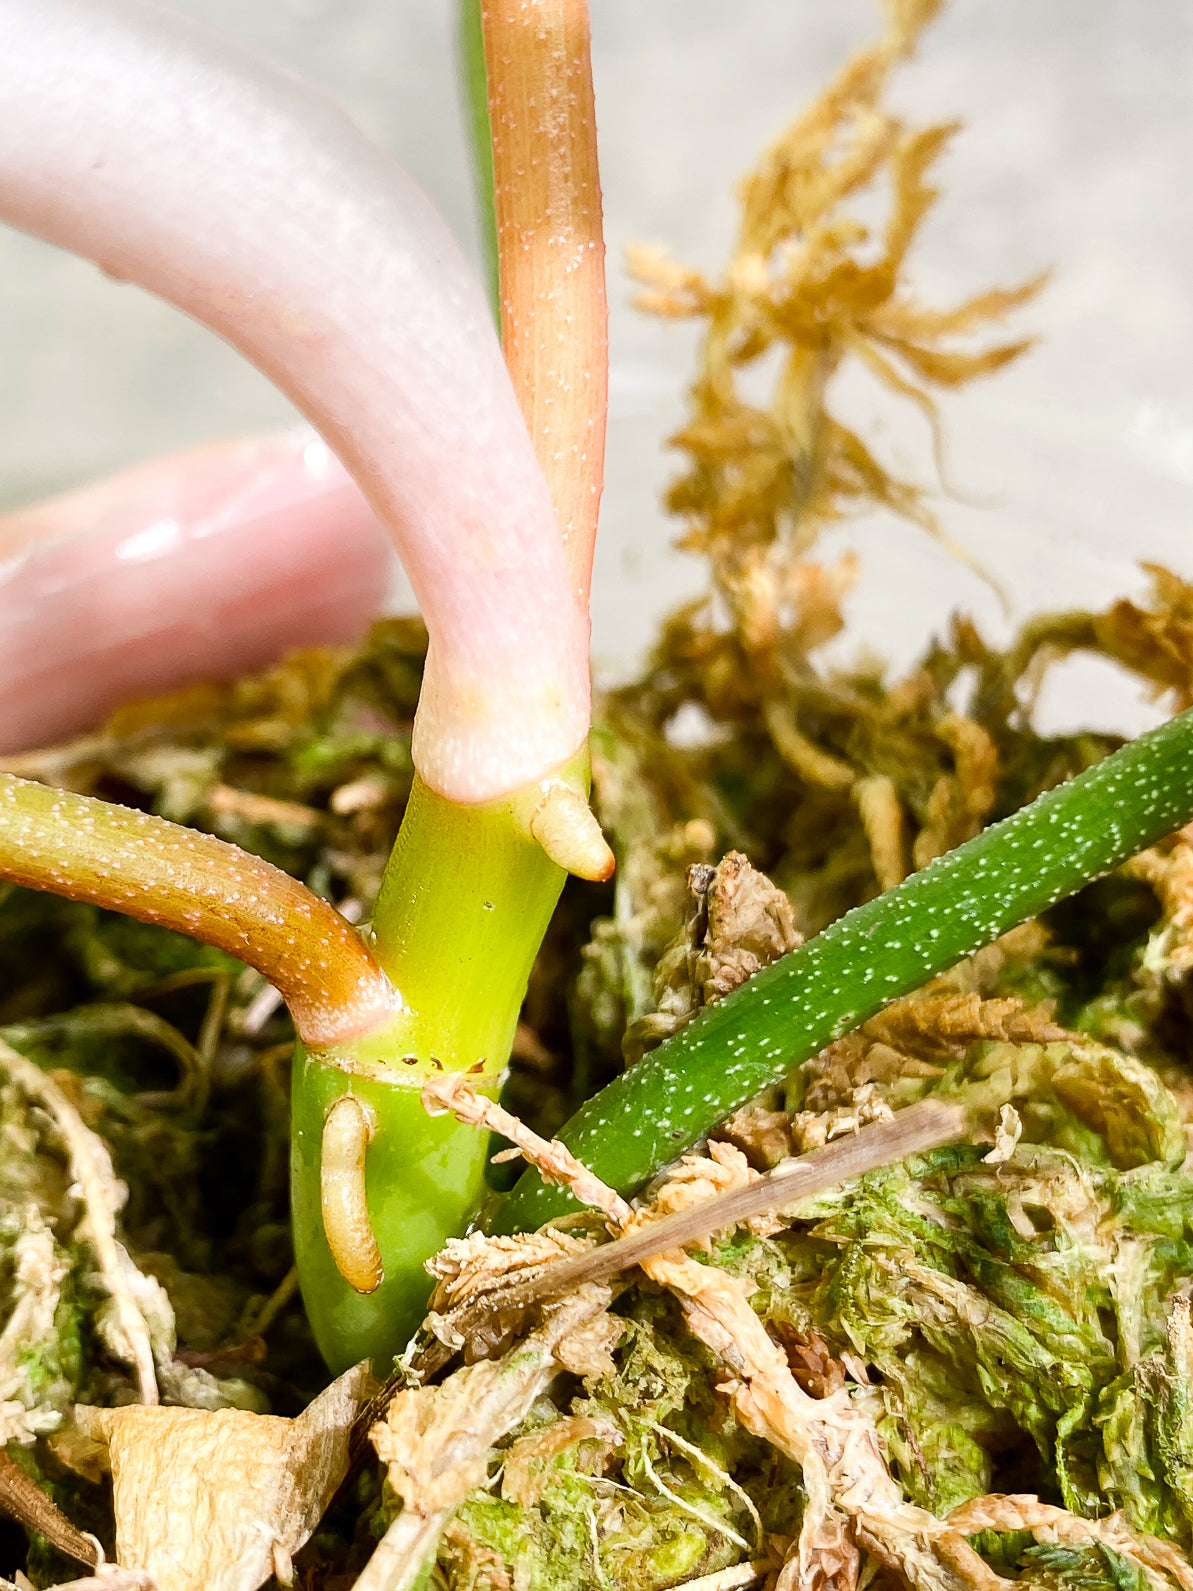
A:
{"x": 346, "y": 1134}
{"x": 566, "y": 829}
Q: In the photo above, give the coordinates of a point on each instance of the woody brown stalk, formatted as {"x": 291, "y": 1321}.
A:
{"x": 551, "y": 250}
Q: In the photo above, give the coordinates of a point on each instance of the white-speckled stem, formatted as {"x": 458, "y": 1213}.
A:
{"x": 876, "y": 953}
{"x": 131, "y": 136}
{"x": 551, "y": 249}
{"x": 133, "y": 862}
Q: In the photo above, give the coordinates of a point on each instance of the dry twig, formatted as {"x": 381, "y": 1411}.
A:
{"x": 23, "y": 1498}
{"x": 920, "y": 1127}
{"x": 551, "y": 1159}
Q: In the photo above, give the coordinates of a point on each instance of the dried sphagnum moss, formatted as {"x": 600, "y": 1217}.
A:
{"x": 993, "y": 1320}
{"x": 810, "y": 288}
{"x": 970, "y": 1370}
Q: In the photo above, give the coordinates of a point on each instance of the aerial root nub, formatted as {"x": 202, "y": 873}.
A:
{"x": 566, "y": 829}
{"x": 346, "y": 1133}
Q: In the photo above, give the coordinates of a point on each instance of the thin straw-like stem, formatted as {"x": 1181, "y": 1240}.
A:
{"x": 470, "y": 52}
{"x": 551, "y": 250}
{"x": 142, "y": 865}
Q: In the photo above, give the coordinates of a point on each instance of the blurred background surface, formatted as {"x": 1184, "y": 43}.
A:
{"x": 1070, "y": 466}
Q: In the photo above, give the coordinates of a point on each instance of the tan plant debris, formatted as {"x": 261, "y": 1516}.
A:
{"x": 749, "y": 924}
{"x": 587, "y": 1352}
{"x": 255, "y": 808}
{"x": 527, "y": 1461}
{"x": 1006, "y": 1136}
{"x": 854, "y": 1062}
{"x": 555, "y": 1163}
{"x": 471, "y": 1562}
{"x": 881, "y": 812}
{"x": 478, "y": 1263}
{"x": 763, "y": 1135}
{"x": 697, "y": 1178}
{"x": 820, "y": 287}
{"x": 468, "y": 1310}
{"x": 737, "y": 922}
{"x": 816, "y": 767}
{"x": 435, "y": 1441}
{"x": 734, "y": 1578}
{"x": 953, "y": 1018}
{"x": 961, "y": 801}
{"x": 1168, "y": 869}
{"x": 818, "y": 1371}
{"x": 1159, "y": 1560}
{"x": 219, "y": 1501}
{"x": 40, "y": 1268}
{"x": 914, "y": 1037}
{"x": 811, "y": 1129}
{"x": 124, "y": 1326}
{"x": 1156, "y": 642}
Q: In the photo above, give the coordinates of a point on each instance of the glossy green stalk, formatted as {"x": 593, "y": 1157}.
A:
{"x": 424, "y": 1182}
{"x": 462, "y": 911}
{"x": 873, "y": 955}
{"x": 463, "y": 908}
{"x": 475, "y": 88}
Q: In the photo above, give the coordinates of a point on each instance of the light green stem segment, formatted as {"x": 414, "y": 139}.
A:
{"x": 465, "y": 902}
{"x": 463, "y": 907}
{"x": 871, "y": 956}
{"x": 424, "y": 1182}
{"x": 471, "y": 55}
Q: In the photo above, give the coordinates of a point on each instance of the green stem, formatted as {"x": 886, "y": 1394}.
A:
{"x": 425, "y": 1180}
{"x": 873, "y": 955}
{"x": 475, "y": 83}
{"x": 463, "y": 908}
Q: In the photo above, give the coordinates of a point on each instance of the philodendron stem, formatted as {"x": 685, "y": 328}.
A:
{"x": 465, "y": 902}
{"x": 871, "y": 956}
{"x": 142, "y": 865}
{"x": 550, "y": 242}
{"x": 472, "y": 882}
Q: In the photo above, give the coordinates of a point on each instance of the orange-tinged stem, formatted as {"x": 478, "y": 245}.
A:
{"x": 551, "y": 250}
{"x": 149, "y": 868}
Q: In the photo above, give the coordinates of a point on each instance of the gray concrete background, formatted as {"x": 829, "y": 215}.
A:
{"x": 1073, "y": 464}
